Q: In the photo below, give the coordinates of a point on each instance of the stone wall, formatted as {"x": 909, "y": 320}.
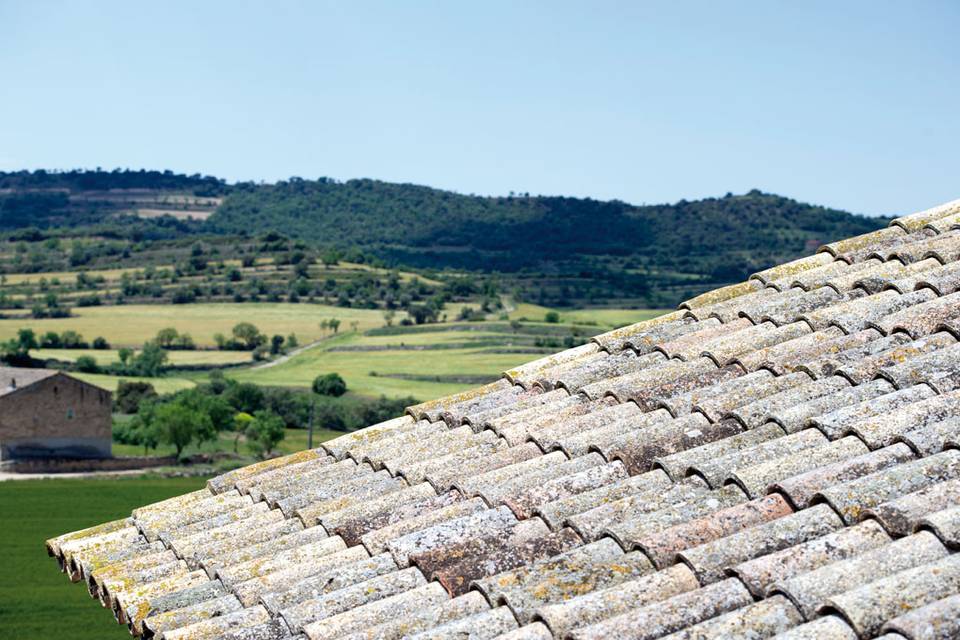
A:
{"x": 59, "y": 417}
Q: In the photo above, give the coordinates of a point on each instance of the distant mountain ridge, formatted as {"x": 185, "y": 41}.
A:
{"x": 656, "y": 253}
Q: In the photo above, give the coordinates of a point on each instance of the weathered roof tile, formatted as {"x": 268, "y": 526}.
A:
{"x": 795, "y": 417}
{"x": 662, "y": 547}
{"x": 495, "y": 554}
{"x": 416, "y": 617}
{"x": 679, "y": 465}
{"x": 722, "y": 294}
{"x": 857, "y": 314}
{"x": 823, "y": 628}
{"x": 933, "y": 436}
{"x": 922, "y": 319}
{"x": 756, "y": 479}
{"x": 375, "y": 613}
{"x": 839, "y": 421}
{"x": 946, "y": 525}
{"x": 761, "y": 573}
{"x": 803, "y": 487}
{"x": 589, "y": 608}
{"x": 639, "y": 449}
{"x": 637, "y": 527}
{"x": 867, "y": 607}
{"x": 678, "y": 612}
{"x": 884, "y": 429}
{"x": 853, "y": 497}
{"x": 937, "y": 619}
{"x": 759, "y": 620}
{"x": 596, "y": 565}
{"x": 554, "y": 513}
{"x": 711, "y": 560}
{"x": 716, "y": 470}
{"x": 334, "y": 602}
{"x": 616, "y": 340}
{"x": 917, "y": 220}
{"x": 902, "y": 515}
{"x": 856, "y": 248}
{"x": 810, "y": 591}
{"x": 479, "y": 626}
{"x": 591, "y": 523}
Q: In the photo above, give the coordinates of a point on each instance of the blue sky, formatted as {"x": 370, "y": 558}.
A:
{"x": 851, "y": 104}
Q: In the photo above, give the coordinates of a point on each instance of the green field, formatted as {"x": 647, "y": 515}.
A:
{"x": 369, "y": 372}
{"x": 162, "y": 385}
{"x": 209, "y": 357}
{"x": 295, "y": 440}
{"x": 425, "y": 361}
{"x": 607, "y": 318}
{"x": 38, "y": 602}
{"x": 132, "y": 325}
{"x": 434, "y": 360}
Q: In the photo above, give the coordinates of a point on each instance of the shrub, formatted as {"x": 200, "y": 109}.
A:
{"x": 330, "y": 384}
{"x": 131, "y": 393}
{"x": 87, "y": 364}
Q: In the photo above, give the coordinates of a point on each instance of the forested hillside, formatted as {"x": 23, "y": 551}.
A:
{"x": 553, "y": 250}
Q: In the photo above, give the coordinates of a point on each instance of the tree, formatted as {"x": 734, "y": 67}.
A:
{"x": 166, "y": 337}
{"x": 241, "y": 421}
{"x": 276, "y": 344}
{"x": 264, "y": 432}
{"x": 138, "y": 430}
{"x": 330, "y": 384}
{"x": 72, "y": 340}
{"x": 149, "y": 362}
{"x": 51, "y": 340}
{"x": 334, "y": 324}
{"x": 388, "y": 316}
{"x": 125, "y": 354}
{"x": 100, "y": 343}
{"x": 178, "y": 425}
{"x": 26, "y": 340}
{"x": 16, "y": 351}
{"x": 552, "y": 317}
{"x": 87, "y": 364}
{"x": 245, "y": 396}
{"x": 130, "y": 394}
{"x": 247, "y": 334}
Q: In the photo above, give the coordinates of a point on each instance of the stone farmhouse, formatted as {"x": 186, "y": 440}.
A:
{"x": 48, "y": 414}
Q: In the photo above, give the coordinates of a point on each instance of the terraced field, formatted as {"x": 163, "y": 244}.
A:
{"x": 435, "y": 360}
{"x": 132, "y": 325}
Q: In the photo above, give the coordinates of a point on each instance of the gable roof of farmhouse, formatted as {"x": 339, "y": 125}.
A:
{"x": 12, "y": 379}
{"x": 780, "y": 456}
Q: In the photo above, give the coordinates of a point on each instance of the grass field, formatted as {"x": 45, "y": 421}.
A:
{"x": 603, "y": 318}
{"x": 295, "y": 440}
{"x": 38, "y": 602}
{"x": 162, "y": 385}
{"x": 132, "y": 325}
{"x": 356, "y": 368}
{"x": 209, "y": 358}
{"x": 384, "y": 364}
{"x": 425, "y": 362}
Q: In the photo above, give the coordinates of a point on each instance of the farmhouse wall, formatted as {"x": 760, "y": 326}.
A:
{"x": 55, "y": 417}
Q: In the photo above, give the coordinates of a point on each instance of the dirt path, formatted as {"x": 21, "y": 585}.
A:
{"x": 287, "y": 356}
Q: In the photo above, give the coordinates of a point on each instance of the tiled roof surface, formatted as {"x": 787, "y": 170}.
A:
{"x": 776, "y": 458}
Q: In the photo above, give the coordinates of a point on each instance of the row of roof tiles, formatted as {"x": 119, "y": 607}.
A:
{"x": 776, "y": 457}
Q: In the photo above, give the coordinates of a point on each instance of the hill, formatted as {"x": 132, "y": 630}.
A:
{"x": 550, "y": 250}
